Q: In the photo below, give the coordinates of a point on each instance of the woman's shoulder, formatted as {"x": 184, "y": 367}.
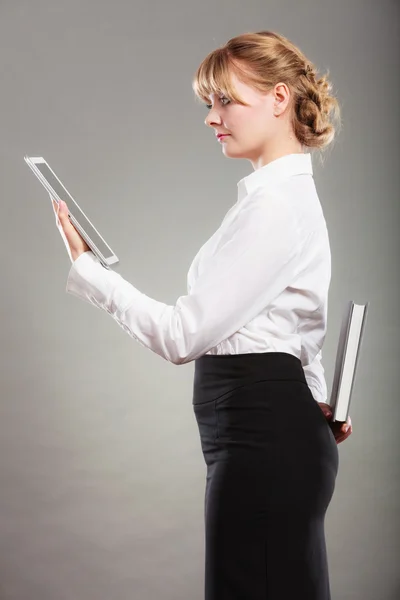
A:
{"x": 294, "y": 198}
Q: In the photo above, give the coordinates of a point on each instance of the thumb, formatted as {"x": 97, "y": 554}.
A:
{"x": 63, "y": 215}
{"x": 326, "y": 409}
{"x": 62, "y": 210}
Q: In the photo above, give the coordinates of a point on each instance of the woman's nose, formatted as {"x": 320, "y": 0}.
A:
{"x": 212, "y": 118}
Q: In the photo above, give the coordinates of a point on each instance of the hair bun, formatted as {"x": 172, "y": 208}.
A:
{"x": 308, "y": 69}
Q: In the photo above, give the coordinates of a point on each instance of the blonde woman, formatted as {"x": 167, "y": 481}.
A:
{"x": 254, "y": 321}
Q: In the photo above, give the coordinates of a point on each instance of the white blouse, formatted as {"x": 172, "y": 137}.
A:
{"x": 259, "y": 284}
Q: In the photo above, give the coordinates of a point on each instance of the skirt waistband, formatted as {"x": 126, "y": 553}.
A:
{"x": 217, "y": 374}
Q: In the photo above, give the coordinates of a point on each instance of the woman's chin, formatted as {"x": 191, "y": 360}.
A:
{"x": 231, "y": 152}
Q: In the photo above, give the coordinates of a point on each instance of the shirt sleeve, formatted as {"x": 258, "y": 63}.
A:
{"x": 315, "y": 377}
{"x": 257, "y": 259}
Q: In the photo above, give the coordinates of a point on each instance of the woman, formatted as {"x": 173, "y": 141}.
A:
{"x": 254, "y": 321}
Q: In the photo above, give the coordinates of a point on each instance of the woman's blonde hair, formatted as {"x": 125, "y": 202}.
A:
{"x": 263, "y": 59}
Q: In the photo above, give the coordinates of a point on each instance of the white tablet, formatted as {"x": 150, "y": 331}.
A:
{"x": 58, "y": 191}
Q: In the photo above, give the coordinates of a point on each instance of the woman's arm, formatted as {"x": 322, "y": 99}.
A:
{"x": 315, "y": 376}
{"x": 259, "y": 258}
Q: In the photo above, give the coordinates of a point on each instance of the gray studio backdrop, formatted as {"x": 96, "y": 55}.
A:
{"x": 101, "y": 472}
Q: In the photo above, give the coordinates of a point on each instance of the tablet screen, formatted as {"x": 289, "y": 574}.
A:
{"x": 74, "y": 210}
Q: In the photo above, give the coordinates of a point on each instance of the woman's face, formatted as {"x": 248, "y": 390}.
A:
{"x": 253, "y": 130}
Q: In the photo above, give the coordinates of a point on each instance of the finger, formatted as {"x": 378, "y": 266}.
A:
{"x": 327, "y": 411}
{"x": 63, "y": 215}
{"x": 346, "y": 427}
{"x": 341, "y": 438}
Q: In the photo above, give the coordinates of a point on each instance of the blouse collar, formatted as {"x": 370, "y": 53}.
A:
{"x": 278, "y": 169}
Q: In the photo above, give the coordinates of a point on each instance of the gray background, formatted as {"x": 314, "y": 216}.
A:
{"x": 101, "y": 472}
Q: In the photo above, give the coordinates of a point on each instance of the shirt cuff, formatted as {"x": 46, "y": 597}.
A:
{"x": 90, "y": 281}
{"x": 317, "y": 395}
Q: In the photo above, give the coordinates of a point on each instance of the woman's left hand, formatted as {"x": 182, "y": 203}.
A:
{"x": 74, "y": 242}
{"x": 340, "y": 430}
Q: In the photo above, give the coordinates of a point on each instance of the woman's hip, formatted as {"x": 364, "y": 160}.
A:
{"x": 258, "y": 410}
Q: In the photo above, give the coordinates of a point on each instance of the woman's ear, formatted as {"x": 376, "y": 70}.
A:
{"x": 281, "y": 98}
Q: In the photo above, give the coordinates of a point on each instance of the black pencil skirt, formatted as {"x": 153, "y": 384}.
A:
{"x": 272, "y": 462}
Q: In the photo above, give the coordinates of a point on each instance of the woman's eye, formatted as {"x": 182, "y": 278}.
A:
{"x": 209, "y": 106}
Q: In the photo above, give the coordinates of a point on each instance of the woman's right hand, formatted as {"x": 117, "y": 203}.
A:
{"x": 340, "y": 430}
